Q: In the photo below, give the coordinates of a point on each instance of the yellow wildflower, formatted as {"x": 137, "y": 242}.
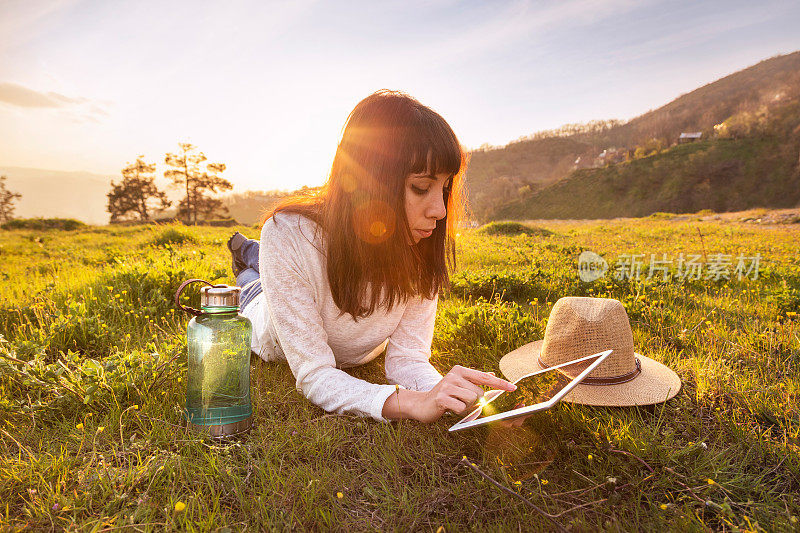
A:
{"x": 663, "y": 506}
{"x": 339, "y": 495}
{"x": 179, "y": 506}
{"x": 79, "y": 426}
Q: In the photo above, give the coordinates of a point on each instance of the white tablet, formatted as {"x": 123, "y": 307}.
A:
{"x": 536, "y": 391}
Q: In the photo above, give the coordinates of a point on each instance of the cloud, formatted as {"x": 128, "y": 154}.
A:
{"x": 20, "y": 96}
{"x": 77, "y": 109}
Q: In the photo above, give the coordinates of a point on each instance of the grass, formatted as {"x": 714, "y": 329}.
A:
{"x": 66, "y": 224}
{"x": 92, "y": 378}
{"x": 511, "y": 228}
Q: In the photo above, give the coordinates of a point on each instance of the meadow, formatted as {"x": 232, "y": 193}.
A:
{"x": 93, "y": 370}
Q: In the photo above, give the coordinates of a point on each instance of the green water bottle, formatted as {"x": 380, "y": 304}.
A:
{"x": 218, "y": 384}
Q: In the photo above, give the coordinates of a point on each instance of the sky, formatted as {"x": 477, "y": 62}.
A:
{"x": 265, "y": 87}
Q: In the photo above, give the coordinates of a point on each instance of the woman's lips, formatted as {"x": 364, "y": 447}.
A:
{"x": 424, "y": 234}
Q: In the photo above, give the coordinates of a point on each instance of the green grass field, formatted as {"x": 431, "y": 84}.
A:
{"x": 92, "y": 380}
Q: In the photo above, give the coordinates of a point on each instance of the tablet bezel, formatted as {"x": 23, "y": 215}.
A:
{"x": 541, "y": 406}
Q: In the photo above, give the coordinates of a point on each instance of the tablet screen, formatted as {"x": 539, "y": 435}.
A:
{"x": 532, "y": 389}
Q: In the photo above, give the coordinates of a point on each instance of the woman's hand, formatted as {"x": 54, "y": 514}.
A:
{"x": 457, "y": 391}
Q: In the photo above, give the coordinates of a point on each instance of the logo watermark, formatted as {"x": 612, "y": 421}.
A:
{"x": 592, "y": 266}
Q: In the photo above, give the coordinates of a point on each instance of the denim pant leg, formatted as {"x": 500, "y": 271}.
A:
{"x": 248, "y": 279}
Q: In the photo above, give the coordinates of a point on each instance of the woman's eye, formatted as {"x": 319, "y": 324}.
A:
{"x": 419, "y": 191}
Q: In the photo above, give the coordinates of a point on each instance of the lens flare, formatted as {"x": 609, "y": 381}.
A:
{"x": 374, "y": 221}
{"x": 377, "y": 228}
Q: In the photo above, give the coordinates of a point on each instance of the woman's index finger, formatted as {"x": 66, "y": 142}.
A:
{"x": 484, "y": 378}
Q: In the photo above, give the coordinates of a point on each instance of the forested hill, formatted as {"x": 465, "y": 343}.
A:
{"x": 748, "y": 90}
{"x": 756, "y": 101}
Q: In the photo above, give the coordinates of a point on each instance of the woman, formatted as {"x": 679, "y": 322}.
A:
{"x": 385, "y": 219}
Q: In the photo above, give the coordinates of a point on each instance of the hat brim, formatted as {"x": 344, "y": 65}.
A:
{"x": 655, "y": 384}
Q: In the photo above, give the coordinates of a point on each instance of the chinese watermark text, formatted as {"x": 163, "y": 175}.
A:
{"x": 592, "y": 266}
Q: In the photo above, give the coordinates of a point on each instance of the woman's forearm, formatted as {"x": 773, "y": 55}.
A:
{"x": 403, "y": 403}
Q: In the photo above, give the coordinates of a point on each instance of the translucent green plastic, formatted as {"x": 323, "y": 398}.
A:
{"x": 218, "y": 385}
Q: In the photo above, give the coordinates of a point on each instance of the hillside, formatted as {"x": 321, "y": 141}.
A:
{"x": 497, "y": 176}
{"x": 751, "y": 164}
{"x": 765, "y": 83}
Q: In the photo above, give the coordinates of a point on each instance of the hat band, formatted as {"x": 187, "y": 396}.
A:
{"x": 615, "y": 380}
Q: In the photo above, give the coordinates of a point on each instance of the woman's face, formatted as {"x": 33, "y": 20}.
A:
{"x": 425, "y": 202}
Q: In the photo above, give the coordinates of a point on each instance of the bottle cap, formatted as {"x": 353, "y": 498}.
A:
{"x": 220, "y": 296}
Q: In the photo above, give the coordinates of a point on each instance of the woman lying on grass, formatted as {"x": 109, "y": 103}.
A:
{"x": 386, "y": 219}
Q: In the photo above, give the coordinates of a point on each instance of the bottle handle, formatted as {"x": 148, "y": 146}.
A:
{"x": 190, "y": 310}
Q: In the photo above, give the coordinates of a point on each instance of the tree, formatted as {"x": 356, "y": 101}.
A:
{"x": 137, "y": 193}
{"x": 7, "y": 199}
{"x": 191, "y": 171}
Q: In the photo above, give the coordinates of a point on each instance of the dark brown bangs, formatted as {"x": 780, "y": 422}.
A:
{"x": 433, "y": 147}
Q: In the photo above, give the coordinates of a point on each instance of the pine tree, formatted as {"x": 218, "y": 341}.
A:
{"x": 200, "y": 179}
{"x": 7, "y": 199}
{"x": 136, "y": 194}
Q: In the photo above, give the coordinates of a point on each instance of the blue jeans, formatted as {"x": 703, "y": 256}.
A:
{"x": 248, "y": 279}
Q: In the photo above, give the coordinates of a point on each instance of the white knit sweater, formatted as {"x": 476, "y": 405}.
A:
{"x": 295, "y": 319}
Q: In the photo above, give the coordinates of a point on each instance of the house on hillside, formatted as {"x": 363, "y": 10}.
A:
{"x": 610, "y": 156}
{"x": 690, "y": 137}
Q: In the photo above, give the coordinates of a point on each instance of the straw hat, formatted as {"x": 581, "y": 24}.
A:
{"x": 580, "y": 326}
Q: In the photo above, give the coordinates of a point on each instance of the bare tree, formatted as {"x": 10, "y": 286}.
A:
{"x": 137, "y": 193}
{"x": 200, "y": 179}
{"x": 7, "y": 200}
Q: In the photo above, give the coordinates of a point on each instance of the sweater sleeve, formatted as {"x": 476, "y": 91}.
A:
{"x": 290, "y": 299}
{"x": 409, "y": 349}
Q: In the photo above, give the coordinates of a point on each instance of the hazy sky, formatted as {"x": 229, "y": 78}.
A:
{"x": 266, "y": 86}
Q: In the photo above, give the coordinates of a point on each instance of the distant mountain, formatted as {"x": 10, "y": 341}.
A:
{"x": 521, "y": 171}
{"x": 55, "y": 193}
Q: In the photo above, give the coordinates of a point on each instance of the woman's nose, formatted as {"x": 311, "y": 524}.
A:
{"x": 437, "y": 208}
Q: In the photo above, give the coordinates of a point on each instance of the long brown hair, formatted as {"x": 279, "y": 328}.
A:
{"x": 361, "y": 206}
